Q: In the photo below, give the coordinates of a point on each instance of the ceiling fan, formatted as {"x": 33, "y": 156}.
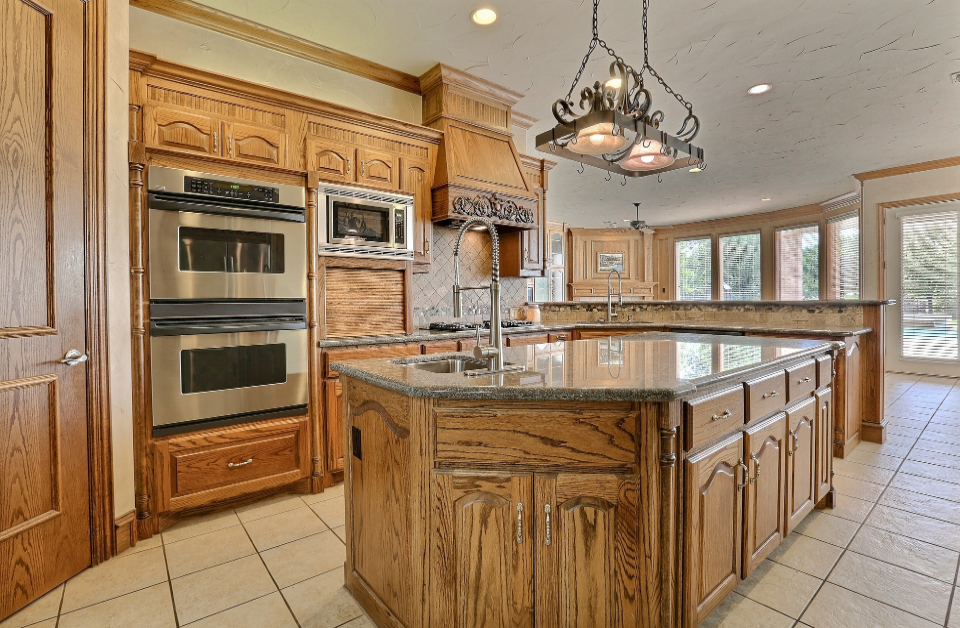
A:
{"x": 639, "y": 225}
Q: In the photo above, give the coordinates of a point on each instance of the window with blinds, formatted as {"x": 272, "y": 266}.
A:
{"x": 694, "y": 269}
{"x": 928, "y": 285}
{"x": 798, "y": 263}
{"x": 843, "y": 259}
{"x": 740, "y": 267}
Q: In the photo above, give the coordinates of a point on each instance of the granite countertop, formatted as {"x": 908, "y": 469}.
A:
{"x": 655, "y": 366}
{"x": 424, "y": 335}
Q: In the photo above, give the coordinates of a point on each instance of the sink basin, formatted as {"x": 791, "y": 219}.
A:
{"x": 452, "y": 365}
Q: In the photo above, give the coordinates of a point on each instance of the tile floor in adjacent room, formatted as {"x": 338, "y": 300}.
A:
{"x": 887, "y": 556}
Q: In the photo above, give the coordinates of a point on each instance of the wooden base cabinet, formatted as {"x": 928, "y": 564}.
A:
{"x": 765, "y": 493}
{"x": 803, "y": 424}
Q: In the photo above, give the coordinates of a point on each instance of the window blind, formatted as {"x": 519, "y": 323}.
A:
{"x": 928, "y": 293}
{"x": 798, "y": 263}
{"x": 843, "y": 240}
{"x": 694, "y": 269}
{"x": 740, "y": 267}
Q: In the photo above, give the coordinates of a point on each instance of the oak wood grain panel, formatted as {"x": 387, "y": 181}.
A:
{"x": 364, "y": 302}
{"x": 765, "y": 395}
{"x": 824, "y": 444}
{"x": 477, "y": 158}
{"x": 416, "y": 178}
{"x": 180, "y": 130}
{"x": 333, "y": 423}
{"x": 523, "y": 340}
{"x": 712, "y": 416}
{"x": 597, "y": 436}
{"x": 442, "y": 346}
{"x": 590, "y": 334}
{"x": 801, "y": 380}
{"x": 801, "y": 462}
{"x": 344, "y": 354}
{"x": 765, "y": 454}
{"x": 209, "y": 468}
{"x": 258, "y": 145}
{"x": 378, "y": 169}
{"x": 712, "y": 535}
{"x": 334, "y": 161}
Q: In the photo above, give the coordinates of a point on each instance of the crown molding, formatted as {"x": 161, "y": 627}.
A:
{"x": 908, "y": 169}
{"x": 233, "y": 26}
{"x": 522, "y": 120}
{"x": 441, "y": 74}
{"x": 844, "y": 200}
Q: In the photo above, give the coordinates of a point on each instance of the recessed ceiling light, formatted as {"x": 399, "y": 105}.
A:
{"x": 484, "y": 17}
{"x": 613, "y": 83}
{"x": 762, "y": 88}
{"x": 696, "y": 169}
{"x": 765, "y": 199}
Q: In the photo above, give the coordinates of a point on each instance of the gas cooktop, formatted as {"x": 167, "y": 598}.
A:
{"x": 472, "y": 326}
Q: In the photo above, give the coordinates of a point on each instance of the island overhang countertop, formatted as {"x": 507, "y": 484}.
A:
{"x": 655, "y": 366}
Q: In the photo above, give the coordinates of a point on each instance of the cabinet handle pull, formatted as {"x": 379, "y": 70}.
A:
{"x": 546, "y": 509}
{"x": 771, "y": 394}
{"x": 803, "y": 381}
{"x": 363, "y": 168}
{"x": 746, "y": 474}
{"x": 720, "y": 417}
{"x": 230, "y": 145}
{"x": 234, "y": 465}
{"x": 519, "y": 523}
{"x": 756, "y": 462}
{"x": 796, "y": 443}
{"x": 216, "y": 146}
{"x": 348, "y": 165}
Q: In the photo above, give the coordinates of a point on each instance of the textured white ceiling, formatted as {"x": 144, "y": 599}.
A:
{"x": 858, "y": 84}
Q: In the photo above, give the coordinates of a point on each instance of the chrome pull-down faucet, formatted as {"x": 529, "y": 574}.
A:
{"x": 610, "y": 313}
{"x": 493, "y": 351}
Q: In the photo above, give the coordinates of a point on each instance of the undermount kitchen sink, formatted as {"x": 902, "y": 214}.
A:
{"x": 452, "y": 365}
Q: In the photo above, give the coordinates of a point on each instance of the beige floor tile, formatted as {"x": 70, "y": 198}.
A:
{"x": 916, "y": 526}
{"x": 322, "y": 601}
{"x": 201, "y": 524}
{"x": 44, "y": 607}
{"x": 836, "y": 607}
{"x": 737, "y": 611}
{"x": 948, "y": 429}
{"x": 332, "y": 511}
{"x": 931, "y": 443}
{"x": 267, "y": 611}
{"x": 807, "y": 554}
{"x": 890, "y": 547}
{"x": 269, "y": 507}
{"x": 935, "y": 457}
{"x": 828, "y": 528}
{"x": 210, "y": 591}
{"x": 922, "y": 504}
{"x": 887, "y": 449}
{"x": 147, "y": 608}
{"x": 297, "y": 561}
{"x": 857, "y": 488}
{"x": 341, "y": 532}
{"x": 901, "y": 430}
{"x": 114, "y": 578}
{"x": 283, "y": 528}
{"x": 904, "y": 589}
{"x": 850, "y": 508}
{"x": 926, "y": 486}
{"x": 916, "y": 424}
{"x": 863, "y": 472}
{"x": 931, "y": 471}
{"x": 360, "y": 622}
{"x": 208, "y": 550}
{"x": 145, "y": 544}
{"x": 779, "y": 587}
{"x": 334, "y": 491}
{"x": 954, "y": 620}
{"x": 874, "y": 459}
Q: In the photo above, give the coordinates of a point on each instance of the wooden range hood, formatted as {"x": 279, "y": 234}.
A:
{"x": 479, "y": 171}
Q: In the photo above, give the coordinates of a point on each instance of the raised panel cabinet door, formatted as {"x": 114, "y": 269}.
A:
{"x": 417, "y": 180}
{"x": 712, "y": 528}
{"x": 801, "y": 462}
{"x": 44, "y": 469}
{"x": 333, "y": 423}
{"x": 765, "y": 493}
{"x": 824, "y": 444}
{"x": 483, "y": 568}
{"x": 173, "y": 129}
{"x": 255, "y": 144}
{"x": 587, "y": 555}
{"x": 335, "y": 161}
{"x": 378, "y": 169}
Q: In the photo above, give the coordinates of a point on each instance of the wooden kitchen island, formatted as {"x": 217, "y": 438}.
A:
{"x": 616, "y": 482}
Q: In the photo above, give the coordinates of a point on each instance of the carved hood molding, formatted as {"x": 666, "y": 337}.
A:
{"x": 492, "y": 206}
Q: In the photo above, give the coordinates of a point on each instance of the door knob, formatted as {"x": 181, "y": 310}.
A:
{"x": 73, "y": 358}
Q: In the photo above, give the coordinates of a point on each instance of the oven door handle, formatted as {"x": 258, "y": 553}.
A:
{"x": 167, "y": 202}
{"x": 160, "y": 328}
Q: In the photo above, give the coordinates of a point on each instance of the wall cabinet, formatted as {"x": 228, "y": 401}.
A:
{"x": 255, "y": 144}
{"x": 416, "y": 178}
{"x": 341, "y": 162}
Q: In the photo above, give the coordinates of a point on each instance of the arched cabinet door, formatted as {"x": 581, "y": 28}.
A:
{"x": 765, "y": 493}
{"x": 801, "y": 462}
{"x": 417, "y": 179}
{"x": 483, "y": 572}
{"x": 587, "y": 558}
{"x": 172, "y": 129}
{"x": 335, "y": 161}
{"x": 378, "y": 169}
{"x": 255, "y": 144}
{"x": 824, "y": 447}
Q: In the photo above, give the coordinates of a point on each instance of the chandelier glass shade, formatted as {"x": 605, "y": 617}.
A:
{"x": 616, "y": 128}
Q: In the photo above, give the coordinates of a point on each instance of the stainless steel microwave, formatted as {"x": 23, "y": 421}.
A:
{"x": 367, "y": 223}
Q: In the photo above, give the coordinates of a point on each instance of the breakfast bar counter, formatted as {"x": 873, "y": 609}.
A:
{"x": 622, "y": 481}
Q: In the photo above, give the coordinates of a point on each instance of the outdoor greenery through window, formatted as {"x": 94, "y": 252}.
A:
{"x": 740, "y": 267}
{"x": 843, "y": 236}
{"x": 798, "y": 263}
{"x": 694, "y": 269}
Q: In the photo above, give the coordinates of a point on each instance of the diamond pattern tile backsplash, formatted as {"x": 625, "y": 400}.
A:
{"x": 433, "y": 292}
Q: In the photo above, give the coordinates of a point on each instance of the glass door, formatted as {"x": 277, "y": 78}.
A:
{"x": 921, "y": 274}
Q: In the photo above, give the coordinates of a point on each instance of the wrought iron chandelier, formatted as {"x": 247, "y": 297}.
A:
{"x": 617, "y": 129}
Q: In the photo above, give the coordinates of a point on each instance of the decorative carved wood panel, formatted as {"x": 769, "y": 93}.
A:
{"x": 801, "y": 461}
{"x": 765, "y": 494}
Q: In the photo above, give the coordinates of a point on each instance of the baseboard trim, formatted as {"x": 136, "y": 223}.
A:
{"x": 124, "y": 532}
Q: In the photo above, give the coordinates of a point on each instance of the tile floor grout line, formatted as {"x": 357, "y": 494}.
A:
{"x": 63, "y": 594}
{"x": 270, "y": 573}
{"x": 953, "y": 595}
{"x": 166, "y": 566}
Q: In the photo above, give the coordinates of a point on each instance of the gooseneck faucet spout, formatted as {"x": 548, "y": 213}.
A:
{"x": 493, "y": 351}
{"x": 610, "y": 313}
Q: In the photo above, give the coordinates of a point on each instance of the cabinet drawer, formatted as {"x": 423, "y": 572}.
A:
{"x": 526, "y": 339}
{"x": 560, "y": 336}
{"x": 593, "y": 436}
{"x": 467, "y": 345}
{"x": 765, "y": 395}
{"x": 444, "y": 346}
{"x": 824, "y": 370}
{"x": 801, "y": 380}
{"x": 365, "y": 353}
{"x": 712, "y": 416}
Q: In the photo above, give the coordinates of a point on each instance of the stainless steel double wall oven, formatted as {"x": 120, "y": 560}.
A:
{"x": 228, "y": 288}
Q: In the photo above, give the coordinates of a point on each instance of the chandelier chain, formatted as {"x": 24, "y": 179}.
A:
{"x": 654, "y": 73}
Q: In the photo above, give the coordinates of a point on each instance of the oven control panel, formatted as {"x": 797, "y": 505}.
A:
{"x": 227, "y": 189}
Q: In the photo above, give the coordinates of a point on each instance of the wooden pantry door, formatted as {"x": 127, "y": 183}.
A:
{"x": 44, "y": 499}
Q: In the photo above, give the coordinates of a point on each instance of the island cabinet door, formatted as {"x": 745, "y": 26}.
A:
{"x": 765, "y": 493}
{"x": 333, "y": 423}
{"x": 824, "y": 444}
{"x": 483, "y": 568}
{"x": 712, "y": 533}
{"x": 801, "y": 462}
{"x": 587, "y": 558}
